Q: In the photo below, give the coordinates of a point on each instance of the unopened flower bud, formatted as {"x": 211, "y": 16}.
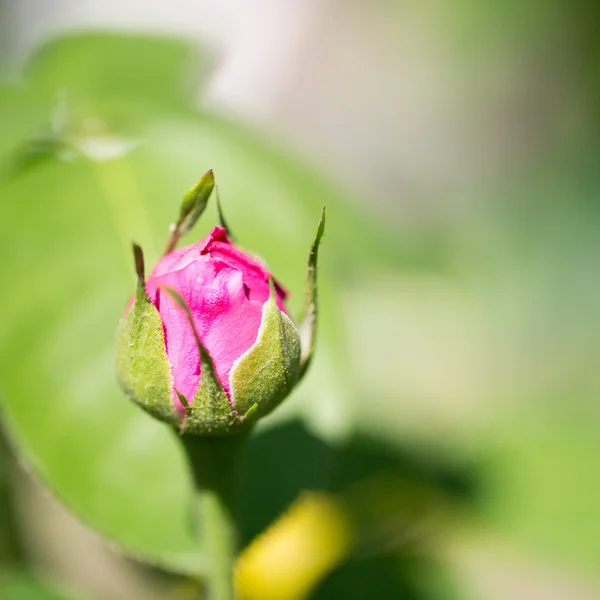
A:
{"x": 207, "y": 344}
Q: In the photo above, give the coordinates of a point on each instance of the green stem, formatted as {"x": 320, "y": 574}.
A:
{"x": 213, "y": 463}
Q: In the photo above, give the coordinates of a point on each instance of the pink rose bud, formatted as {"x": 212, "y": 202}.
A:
{"x": 207, "y": 344}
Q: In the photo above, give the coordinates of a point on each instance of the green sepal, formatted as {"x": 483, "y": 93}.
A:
{"x": 309, "y": 324}
{"x": 222, "y": 221}
{"x": 192, "y": 206}
{"x": 266, "y": 373}
{"x": 138, "y": 259}
{"x": 183, "y": 400}
{"x": 194, "y": 203}
{"x": 210, "y": 413}
{"x": 143, "y": 369}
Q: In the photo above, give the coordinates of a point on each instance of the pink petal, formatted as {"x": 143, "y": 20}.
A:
{"x": 225, "y": 290}
{"x": 226, "y": 320}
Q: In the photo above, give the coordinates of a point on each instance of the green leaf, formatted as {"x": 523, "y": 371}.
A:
{"x": 119, "y": 470}
{"x": 101, "y": 66}
{"x": 12, "y": 552}
{"x": 542, "y": 483}
{"x": 17, "y": 586}
{"x": 23, "y": 120}
{"x": 281, "y": 463}
{"x": 65, "y": 241}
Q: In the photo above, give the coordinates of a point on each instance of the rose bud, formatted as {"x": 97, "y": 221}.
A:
{"x": 207, "y": 344}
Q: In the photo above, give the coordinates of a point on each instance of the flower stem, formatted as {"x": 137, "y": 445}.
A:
{"x": 213, "y": 463}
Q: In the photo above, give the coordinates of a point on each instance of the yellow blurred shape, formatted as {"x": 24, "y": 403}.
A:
{"x": 294, "y": 554}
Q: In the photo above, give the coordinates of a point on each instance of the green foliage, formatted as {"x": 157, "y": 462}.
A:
{"x": 66, "y": 224}
{"x": 11, "y": 546}
{"x": 23, "y": 587}
{"x": 388, "y": 491}
{"x": 98, "y": 139}
{"x": 550, "y": 473}
{"x": 99, "y": 67}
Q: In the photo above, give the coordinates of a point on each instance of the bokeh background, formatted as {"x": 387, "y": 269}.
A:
{"x": 446, "y": 444}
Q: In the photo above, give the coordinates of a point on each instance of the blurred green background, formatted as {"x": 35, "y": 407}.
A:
{"x": 452, "y": 414}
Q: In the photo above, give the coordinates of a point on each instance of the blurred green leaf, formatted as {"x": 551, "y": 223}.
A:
{"x": 394, "y": 497}
{"x": 391, "y": 577}
{"x": 11, "y": 548}
{"x": 376, "y": 577}
{"x": 282, "y": 462}
{"x": 101, "y": 66}
{"x": 117, "y": 469}
{"x": 542, "y": 487}
{"x": 65, "y": 233}
{"x": 24, "y": 587}
{"x": 22, "y": 117}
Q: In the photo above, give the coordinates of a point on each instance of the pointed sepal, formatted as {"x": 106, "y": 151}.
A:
{"x": 222, "y": 221}
{"x": 210, "y": 412}
{"x": 266, "y": 373}
{"x": 140, "y": 271}
{"x": 309, "y": 324}
{"x": 143, "y": 368}
{"x": 192, "y": 206}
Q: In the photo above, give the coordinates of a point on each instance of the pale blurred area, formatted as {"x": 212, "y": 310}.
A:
{"x": 410, "y": 103}
{"x": 465, "y": 123}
